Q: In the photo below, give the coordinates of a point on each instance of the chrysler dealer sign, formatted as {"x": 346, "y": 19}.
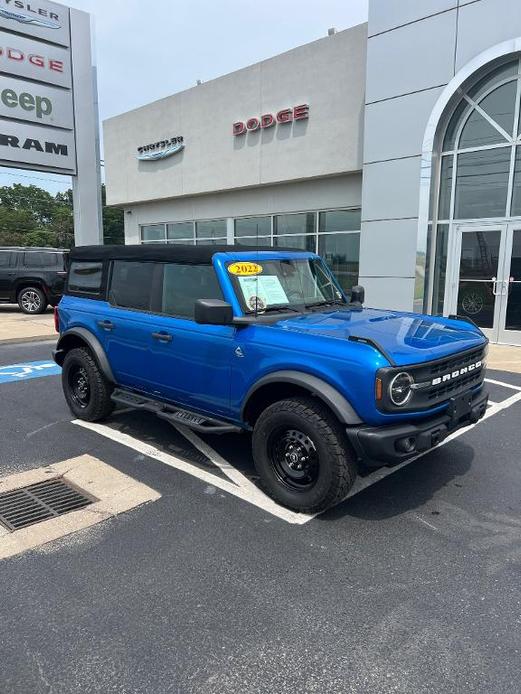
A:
{"x": 37, "y": 120}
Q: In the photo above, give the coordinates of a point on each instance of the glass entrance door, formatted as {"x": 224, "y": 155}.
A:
{"x": 510, "y": 316}
{"x": 476, "y": 286}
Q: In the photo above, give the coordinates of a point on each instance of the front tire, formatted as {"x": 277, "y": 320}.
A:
{"x": 86, "y": 389}
{"x": 32, "y": 301}
{"x": 302, "y": 455}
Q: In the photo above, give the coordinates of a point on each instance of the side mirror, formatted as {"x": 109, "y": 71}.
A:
{"x": 357, "y": 296}
{"x": 213, "y": 312}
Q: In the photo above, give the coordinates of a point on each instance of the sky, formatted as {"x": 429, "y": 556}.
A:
{"x": 148, "y": 49}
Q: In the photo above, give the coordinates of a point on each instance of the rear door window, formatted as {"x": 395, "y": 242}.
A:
{"x": 86, "y": 278}
{"x": 37, "y": 259}
{"x": 6, "y": 259}
{"x": 184, "y": 284}
{"x": 131, "y": 284}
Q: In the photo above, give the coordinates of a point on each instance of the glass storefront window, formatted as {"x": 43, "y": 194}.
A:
{"x": 180, "y": 230}
{"x": 447, "y": 164}
{"x": 516, "y": 191}
{"x": 482, "y": 183}
{"x": 440, "y": 270}
{"x": 500, "y": 105}
{"x": 211, "y": 229}
{"x": 449, "y": 142}
{"x": 153, "y": 232}
{"x": 301, "y": 223}
{"x": 341, "y": 252}
{"x": 210, "y": 242}
{"x": 254, "y": 241}
{"x": 477, "y": 131}
{"x": 253, "y": 226}
{"x": 340, "y": 220}
{"x": 306, "y": 243}
{"x": 497, "y": 75}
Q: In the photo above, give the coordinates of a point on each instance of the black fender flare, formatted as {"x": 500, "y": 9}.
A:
{"x": 316, "y": 386}
{"x": 94, "y": 345}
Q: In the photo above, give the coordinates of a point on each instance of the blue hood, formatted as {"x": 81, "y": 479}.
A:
{"x": 408, "y": 338}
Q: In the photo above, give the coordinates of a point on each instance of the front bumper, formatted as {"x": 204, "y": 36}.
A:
{"x": 390, "y": 445}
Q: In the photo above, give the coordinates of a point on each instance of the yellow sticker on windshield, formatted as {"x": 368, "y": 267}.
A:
{"x": 245, "y": 269}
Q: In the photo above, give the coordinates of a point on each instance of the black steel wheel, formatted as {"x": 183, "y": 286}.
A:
{"x": 79, "y": 387}
{"x": 86, "y": 389}
{"x": 302, "y": 455}
{"x": 294, "y": 458}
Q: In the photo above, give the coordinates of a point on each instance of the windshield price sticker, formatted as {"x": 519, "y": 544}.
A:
{"x": 261, "y": 292}
{"x": 245, "y": 269}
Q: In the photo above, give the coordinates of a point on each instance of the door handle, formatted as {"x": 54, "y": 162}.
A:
{"x": 495, "y": 283}
{"x": 162, "y": 337}
{"x": 106, "y": 325}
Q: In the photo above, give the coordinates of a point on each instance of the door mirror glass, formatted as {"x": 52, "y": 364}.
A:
{"x": 213, "y": 312}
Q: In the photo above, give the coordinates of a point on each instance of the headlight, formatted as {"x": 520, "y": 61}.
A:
{"x": 400, "y": 390}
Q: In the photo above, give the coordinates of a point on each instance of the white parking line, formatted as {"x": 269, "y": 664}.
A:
{"x": 500, "y": 383}
{"x": 255, "y": 496}
{"x": 242, "y": 487}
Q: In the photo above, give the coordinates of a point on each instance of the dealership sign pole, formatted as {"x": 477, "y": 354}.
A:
{"x": 48, "y": 102}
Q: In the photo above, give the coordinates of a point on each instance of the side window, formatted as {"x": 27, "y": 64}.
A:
{"x": 85, "y": 278}
{"x": 131, "y": 284}
{"x": 6, "y": 260}
{"x": 39, "y": 260}
{"x": 184, "y": 284}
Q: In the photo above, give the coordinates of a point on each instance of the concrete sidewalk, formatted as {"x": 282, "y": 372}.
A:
{"x": 16, "y": 326}
{"x": 504, "y": 358}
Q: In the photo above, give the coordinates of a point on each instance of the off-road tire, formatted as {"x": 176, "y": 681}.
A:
{"x": 32, "y": 301}
{"x": 337, "y": 467}
{"x": 99, "y": 404}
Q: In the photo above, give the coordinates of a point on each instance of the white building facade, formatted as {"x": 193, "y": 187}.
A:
{"x": 392, "y": 148}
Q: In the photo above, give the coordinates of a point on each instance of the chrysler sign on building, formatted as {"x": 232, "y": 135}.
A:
{"x": 48, "y": 101}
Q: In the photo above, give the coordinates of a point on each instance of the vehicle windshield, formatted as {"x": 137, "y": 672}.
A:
{"x": 284, "y": 284}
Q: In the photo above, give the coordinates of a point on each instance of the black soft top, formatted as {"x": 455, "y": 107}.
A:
{"x": 173, "y": 253}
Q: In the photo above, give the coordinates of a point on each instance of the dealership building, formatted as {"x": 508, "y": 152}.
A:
{"x": 392, "y": 148}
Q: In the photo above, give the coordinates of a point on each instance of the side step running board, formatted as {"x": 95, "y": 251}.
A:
{"x": 174, "y": 415}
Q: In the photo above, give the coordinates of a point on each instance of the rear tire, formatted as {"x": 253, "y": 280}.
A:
{"x": 32, "y": 300}
{"x": 86, "y": 389}
{"x": 302, "y": 455}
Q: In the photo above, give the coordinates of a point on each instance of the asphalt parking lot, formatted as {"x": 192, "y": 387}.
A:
{"x": 412, "y": 585}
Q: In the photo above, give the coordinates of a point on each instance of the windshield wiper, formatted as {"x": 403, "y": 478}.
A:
{"x": 284, "y": 307}
{"x": 331, "y": 302}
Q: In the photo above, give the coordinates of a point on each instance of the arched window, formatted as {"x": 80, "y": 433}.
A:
{"x": 481, "y": 150}
{"x": 480, "y": 162}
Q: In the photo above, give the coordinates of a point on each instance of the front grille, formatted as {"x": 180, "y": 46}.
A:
{"x": 39, "y": 502}
{"x": 457, "y": 362}
{"x": 428, "y": 395}
{"x": 436, "y": 394}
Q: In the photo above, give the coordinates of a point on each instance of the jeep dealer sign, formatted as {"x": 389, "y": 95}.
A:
{"x": 35, "y": 103}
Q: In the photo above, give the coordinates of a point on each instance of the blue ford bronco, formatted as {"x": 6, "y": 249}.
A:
{"x": 236, "y": 339}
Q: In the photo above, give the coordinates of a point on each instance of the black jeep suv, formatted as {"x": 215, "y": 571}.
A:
{"x": 32, "y": 277}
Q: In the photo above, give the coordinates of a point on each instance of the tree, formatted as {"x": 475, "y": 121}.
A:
{"x": 31, "y": 216}
{"x": 113, "y": 221}
{"x": 38, "y": 202}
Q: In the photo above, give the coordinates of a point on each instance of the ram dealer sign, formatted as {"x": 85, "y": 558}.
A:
{"x": 38, "y": 126}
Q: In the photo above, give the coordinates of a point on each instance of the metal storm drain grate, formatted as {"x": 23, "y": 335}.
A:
{"x": 22, "y": 507}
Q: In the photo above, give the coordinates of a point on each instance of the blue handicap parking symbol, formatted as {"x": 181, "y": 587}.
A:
{"x": 28, "y": 370}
